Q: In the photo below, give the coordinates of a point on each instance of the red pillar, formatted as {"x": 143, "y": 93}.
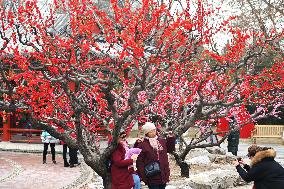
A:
{"x": 6, "y": 126}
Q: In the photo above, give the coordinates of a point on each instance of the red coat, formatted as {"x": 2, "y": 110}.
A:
{"x": 148, "y": 155}
{"x": 121, "y": 175}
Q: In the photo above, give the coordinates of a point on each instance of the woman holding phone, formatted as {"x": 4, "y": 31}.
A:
{"x": 264, "y": 170}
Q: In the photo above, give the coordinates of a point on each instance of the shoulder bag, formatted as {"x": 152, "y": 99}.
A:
{"x": 153, "y": 168}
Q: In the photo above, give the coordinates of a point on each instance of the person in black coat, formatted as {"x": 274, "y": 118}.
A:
{"x": 264, "y": 170}
{"x": 233, "y": 142}
{"x": 233, "y": 138}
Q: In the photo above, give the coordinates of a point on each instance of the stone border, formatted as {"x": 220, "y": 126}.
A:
{"x": 16, "y": 169}
{"x": 84, "y": 178}
{"x": 28, "y": 151}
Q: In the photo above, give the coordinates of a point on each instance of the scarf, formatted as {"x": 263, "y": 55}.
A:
{"x": 155, "y": 144}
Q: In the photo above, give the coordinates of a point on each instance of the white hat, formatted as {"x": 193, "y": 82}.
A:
{"x": 147, "y": 127}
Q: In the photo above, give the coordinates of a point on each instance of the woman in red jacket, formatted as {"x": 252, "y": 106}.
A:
{"x": 122, "y": 171}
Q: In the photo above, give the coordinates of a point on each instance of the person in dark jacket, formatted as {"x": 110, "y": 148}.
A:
{"x": 264, "y": 170}
{"x": 154, "y": 148}
{"x": 171, "y": 141}
{"x": 233, "y": 139}
{"x": 122, "y": 171}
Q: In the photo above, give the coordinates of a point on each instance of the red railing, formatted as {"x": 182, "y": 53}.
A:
{"x": 29, "y": 138}
{"x": 7, "y": 132}
{"x": 19, "y": 130}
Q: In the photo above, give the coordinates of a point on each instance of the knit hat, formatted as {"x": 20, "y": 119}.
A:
{"x": 147, "y": 127}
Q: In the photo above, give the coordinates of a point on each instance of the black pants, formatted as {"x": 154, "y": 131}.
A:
{"x": 233, "y": 149}
{"x": 73, "y": 156}
{"x": 52, "y": 146}
{"x": 160, "y": 186}
{"x": 64, "y": 151}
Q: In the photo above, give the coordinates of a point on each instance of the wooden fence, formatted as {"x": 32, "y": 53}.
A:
{"x": 268, "y": 131}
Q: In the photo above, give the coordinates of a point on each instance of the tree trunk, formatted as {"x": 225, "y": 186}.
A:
{"x": 184, "y": 167}
{"x": 107, "y": 181}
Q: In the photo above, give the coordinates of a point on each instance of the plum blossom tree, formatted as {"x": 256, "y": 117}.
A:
{"x": 82, "y": 70}
{"x": 214, "y": 85}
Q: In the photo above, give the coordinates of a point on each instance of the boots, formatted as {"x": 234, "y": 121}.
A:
{"x": 44, "y": 160}
{"x": 66, "y": 164}
{"x": 72, "y": 165}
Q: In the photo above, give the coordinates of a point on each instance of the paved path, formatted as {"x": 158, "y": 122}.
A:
{"x": 26, "y": 171}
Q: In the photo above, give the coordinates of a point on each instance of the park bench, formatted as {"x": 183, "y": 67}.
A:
{"x": 267, "y": 131}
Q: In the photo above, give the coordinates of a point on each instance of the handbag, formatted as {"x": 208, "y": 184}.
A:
{"x": 152, "y": 169}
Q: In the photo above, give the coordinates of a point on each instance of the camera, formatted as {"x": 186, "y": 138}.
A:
{"x": 239, "y": 159}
